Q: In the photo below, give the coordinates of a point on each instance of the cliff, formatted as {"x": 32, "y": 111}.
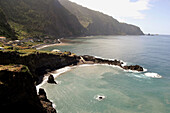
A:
{"x": 38, "y": 62}
{"x": 17, "y": 90}
{"x": 17, "y": 82}
{"x": 98, "y": 23}
{"x": 5, "y": 29}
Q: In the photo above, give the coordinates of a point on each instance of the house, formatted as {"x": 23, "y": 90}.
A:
{"x": 2, "y": 38}
{"x": 1, "y": 48}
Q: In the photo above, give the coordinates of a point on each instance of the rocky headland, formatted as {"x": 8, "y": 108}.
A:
{"x": 18, "y": 92}
{"x": 22, "y": 70}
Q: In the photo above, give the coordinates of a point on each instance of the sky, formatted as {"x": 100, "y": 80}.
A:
{"x": 152, "y": 16}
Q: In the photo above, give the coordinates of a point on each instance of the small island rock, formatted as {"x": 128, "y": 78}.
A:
{"x": 51, "y": 79}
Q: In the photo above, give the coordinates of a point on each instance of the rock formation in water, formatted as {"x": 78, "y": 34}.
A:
{"x": 111, "y": 62}
{"x": 135, "y": 67}
{"x": 51, "y": 79}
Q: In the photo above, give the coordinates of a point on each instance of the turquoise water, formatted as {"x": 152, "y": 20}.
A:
{"x": 125, "y": 92}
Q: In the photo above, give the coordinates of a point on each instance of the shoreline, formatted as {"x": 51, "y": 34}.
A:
{"x": 50, "y": 45}
{"x": 58, "y": 72}
{"x": 42, "y": 46}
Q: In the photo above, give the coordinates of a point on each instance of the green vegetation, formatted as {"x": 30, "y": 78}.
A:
{"x": 98, "y": 23}
{"x": 14, "y": 68}
{"x": 34, "y": 18}
{"x": 27, "y": 51}
{"x": 5, "y": 29}
{"x": 41, "y": 18}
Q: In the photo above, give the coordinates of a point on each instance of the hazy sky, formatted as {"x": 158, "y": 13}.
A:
{"x": 152, "y": 16}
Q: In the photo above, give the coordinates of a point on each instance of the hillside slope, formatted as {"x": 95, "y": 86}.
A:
{"x": 5, "y": 29}
{"x": 98, "y": 23}
{"x": 41, "y": 18}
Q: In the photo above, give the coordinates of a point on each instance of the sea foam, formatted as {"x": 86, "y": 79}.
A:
{"x": 153, "y": 75}
{"x": 55, "y": 73}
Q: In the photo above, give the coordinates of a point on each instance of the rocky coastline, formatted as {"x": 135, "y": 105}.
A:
{"x": 94, "y": 60}
{"x": 38, "y": 63}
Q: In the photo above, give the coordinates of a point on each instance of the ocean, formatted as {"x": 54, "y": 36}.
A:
{"x": 79, "y": 88}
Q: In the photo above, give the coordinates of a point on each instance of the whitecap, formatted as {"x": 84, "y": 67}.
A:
{"x": 153, "y": 75}
{"x": 132, "y": 71}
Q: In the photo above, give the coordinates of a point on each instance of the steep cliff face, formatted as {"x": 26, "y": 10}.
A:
{"x": 37, "y": 62}
{"x": 17, "y": 90}
{"x": 41, "y": 17}
{"x": 98, "y": 23}
{"x": 5, "y": 29}
{"x": 32, "y": 18}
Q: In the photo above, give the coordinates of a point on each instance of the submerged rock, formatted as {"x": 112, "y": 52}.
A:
{"x": 100, "y": 97}
{"x": 51, "y": 79}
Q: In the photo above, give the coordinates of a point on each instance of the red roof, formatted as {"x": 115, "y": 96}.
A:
{"x": 2, "y": 37}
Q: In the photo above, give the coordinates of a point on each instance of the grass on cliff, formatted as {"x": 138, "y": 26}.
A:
{"x": 14, "y": 68}
{"x": 25, "y": 51}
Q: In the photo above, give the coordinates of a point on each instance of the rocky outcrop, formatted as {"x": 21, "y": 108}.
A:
{"x": 38, "y": 62}
{"x": 135, "y": 68}
{"x": 47, "y": 104}
{"x": 51, "y": 79}
{"x": 112, "y": 62}
{"x": 17, "y": 91}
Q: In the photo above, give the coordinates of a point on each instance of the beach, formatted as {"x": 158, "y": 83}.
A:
{"x": 50, "y": 45}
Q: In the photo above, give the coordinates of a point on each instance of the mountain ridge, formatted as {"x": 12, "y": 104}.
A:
{"x": 98, "y": 23}
{"x": 40, "y": 18}
{"x": 56, "y": 19}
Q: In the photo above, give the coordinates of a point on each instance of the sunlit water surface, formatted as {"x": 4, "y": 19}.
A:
{"x": 124, "y": 92}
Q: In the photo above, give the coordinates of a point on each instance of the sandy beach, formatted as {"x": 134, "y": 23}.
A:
{"x": 63, "y": 42}
{"x": 49, "y": 45}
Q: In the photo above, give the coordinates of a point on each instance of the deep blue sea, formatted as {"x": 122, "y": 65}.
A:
{"x": 124, "y": 92}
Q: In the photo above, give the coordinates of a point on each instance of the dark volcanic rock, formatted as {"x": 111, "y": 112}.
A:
{"x": 135, "y": 68}
{"x": 17, "y": 91}
{"x": 37, "y": 62}
{"x": 89, "y": 58}
{"x": 112, "y": 62}
{"x": 51, "y": 79}
{"x": 42, "y": 92}
{"x": 47, "y": 104}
